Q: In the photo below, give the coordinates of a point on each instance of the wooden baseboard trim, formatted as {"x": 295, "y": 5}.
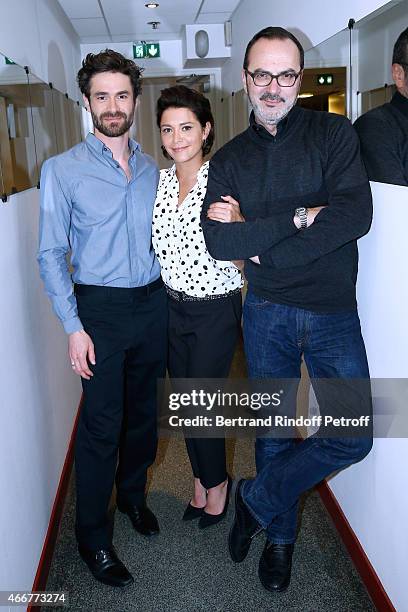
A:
{"x": 367, "y": 573}
{"x": 44, "y": 564}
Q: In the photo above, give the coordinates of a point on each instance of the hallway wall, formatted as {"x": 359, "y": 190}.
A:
{"x": 38, "y": 34}
{"x": 373, "y": 494}
{"x": 38, "y": 392}
{"x": 38, "y": 399}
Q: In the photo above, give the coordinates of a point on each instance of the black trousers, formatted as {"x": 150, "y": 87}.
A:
{"x": 202, "y": 340}
{"x": 119, "y": 410}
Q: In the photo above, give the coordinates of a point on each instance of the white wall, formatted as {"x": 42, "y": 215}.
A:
{"x": 38, "y": 399}
{"x": 39, "y": 394}
{"x": 312, "y": 22}
{"x": 37, "y": 33}
{"x": 373, "y": 494}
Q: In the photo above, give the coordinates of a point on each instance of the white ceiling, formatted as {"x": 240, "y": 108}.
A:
{"x": 126, "y": 20}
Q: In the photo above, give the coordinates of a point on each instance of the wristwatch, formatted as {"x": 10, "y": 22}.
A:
{"x": 301, "y": 214}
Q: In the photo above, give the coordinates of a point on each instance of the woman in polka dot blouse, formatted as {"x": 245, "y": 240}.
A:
{"x": 204, "y": 294}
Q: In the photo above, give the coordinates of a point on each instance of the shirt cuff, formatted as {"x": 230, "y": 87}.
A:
{"x": 72, "y": 325}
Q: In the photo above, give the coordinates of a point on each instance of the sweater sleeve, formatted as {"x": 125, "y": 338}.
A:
{"x": 348, "y": 213}
{"x": 379, "y": 148}
{"x": 227, "y": 241}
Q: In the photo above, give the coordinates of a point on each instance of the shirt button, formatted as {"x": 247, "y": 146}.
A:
{"x": 105, "y": 148}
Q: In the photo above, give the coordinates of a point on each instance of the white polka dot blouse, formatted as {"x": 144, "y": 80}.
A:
{"x": 178, "y": 241}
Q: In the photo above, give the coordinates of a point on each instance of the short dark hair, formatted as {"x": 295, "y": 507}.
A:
{"x": 181, "y": 96}
{"x": 275, "y": 33}
{"x": 400, "y": 52}
{"x": 108, "y": 61}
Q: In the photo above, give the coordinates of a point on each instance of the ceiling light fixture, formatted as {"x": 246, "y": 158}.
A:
{"x": 306, "y": 95}
{"x": 154, "y": 24}
{"x": 152, "y": 5}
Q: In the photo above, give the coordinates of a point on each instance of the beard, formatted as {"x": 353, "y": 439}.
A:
{"x": 271, "y": 116}
{"x": 115, "y": 129}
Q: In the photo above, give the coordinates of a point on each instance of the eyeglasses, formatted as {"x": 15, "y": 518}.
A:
{"x": 262, "y": 78}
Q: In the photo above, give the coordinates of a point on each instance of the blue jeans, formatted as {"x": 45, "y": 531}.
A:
{"x": 275, "y": 338}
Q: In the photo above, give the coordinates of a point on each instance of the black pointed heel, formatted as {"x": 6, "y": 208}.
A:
{"x": 207, "y": 520}
{"x": 191, "y": 513}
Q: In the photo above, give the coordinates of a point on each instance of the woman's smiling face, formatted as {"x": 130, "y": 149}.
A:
{"x": 182, "y": 134}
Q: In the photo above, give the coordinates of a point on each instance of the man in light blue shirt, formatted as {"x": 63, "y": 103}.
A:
{"x": 97, "y": 204}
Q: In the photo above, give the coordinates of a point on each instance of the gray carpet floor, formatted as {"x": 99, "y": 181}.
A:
{"x": 185, "y": 569}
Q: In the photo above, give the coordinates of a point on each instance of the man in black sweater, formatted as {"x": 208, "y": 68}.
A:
{"x": 290, "y": 196}
{"x": 383, "y": 131}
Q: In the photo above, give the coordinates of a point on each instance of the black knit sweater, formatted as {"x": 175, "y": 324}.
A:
{"x": 313, "y": 160}
{"x": 383, "y": 133}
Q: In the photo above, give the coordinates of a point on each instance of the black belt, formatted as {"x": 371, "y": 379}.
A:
{"x": 180, "y": 296}
{"x": 119, "y": 291}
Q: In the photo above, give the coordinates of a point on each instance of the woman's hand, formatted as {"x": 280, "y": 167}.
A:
{"x": 225, "y": 212}
{"x": 239, "y": 263}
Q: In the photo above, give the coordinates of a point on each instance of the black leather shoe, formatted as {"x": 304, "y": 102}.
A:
{"x": 106, "y": 567}
{"x": 191, "y": 513}
{"x": 207, "y": 520}
{"x": 243, "y": 529}
{"x": 142, "y": 518}
{"x": 275, "y": 566}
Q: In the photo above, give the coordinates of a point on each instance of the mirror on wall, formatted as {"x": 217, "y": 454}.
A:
{"x": 17, "y": 145}
{"x": 67, "y": 121}
{"x": 383, "y": 94}
{"x": 36, "y": 122}
{"x": 43, "y": 119}
{"x": 353, "y": 68}
{"x": 376, "y": 35}
{"x": 326, "y": 77}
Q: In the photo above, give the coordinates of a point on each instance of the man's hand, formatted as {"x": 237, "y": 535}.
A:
{"x": 311, "y": 216}
{"x": 81, "y": 348}
{"x": 225, "y": 212}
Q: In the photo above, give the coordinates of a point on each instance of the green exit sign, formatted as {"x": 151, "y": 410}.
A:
{"x": 324, "y": 79}
{"x": 142, "y": 50}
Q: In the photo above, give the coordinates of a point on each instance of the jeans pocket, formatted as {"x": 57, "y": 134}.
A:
{"x": 256, "y": 301}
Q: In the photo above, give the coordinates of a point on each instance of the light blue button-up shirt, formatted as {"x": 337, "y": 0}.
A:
{"x": 89, "y": 208}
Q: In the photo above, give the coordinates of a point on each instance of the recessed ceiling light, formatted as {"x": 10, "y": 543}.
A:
{"x": 151, "y": 4}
